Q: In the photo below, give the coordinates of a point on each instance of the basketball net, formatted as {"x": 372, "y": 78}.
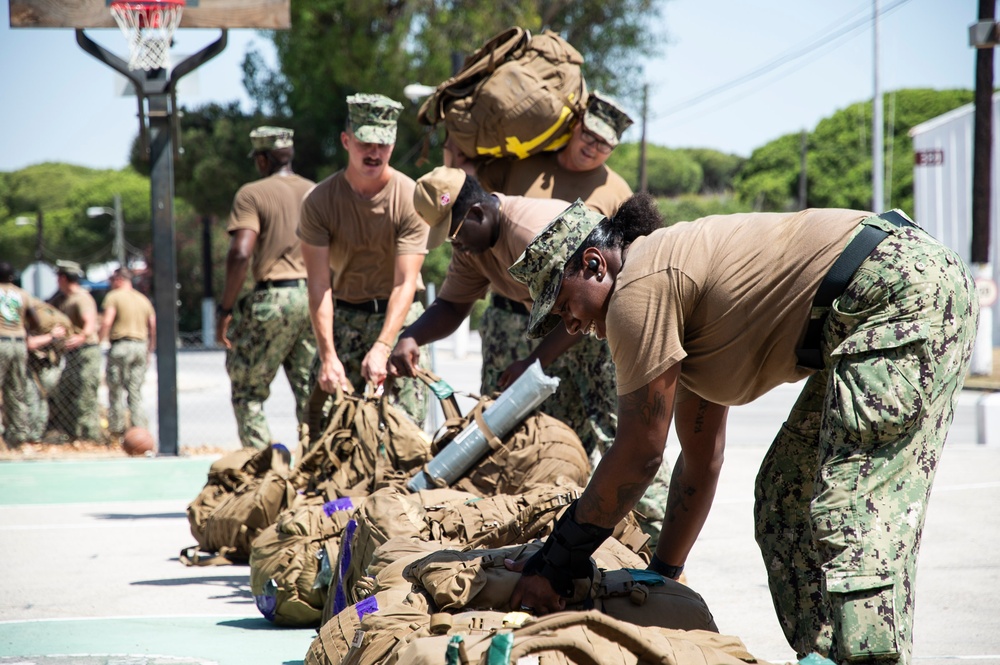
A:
{"x": 149, "y": 27}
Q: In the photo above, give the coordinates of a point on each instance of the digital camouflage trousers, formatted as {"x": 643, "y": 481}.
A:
{"x": 13, "y": 383}
{"x": 124, "y": 373}
{"x": 270, "y": 329}
{"x": 842, "y": 493}
{"x": 43, "y": 377}
{"x": 74, "y": 406}
{"x": 586, "y": 399}
{"x": 354, "y": 333}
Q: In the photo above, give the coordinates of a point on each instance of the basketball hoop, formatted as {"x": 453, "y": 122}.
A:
{"x": 149, "y": 27}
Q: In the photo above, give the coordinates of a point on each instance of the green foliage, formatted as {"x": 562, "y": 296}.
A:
{"x": 61, "y": 194}
{"x": 769, "y": 179}
{"x": 718, "y": 169}
{"x": 839, "y": 161}
{"x": 694, "y": 206}
{"x": 340, "y": 47}
{"x": 668, "y": 172}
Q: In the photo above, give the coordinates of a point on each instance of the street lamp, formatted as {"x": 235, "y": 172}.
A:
{"x": 116, "y": 214}
{"x": 39, "y": 223}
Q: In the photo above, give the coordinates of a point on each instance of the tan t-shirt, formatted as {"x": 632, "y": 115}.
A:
{"x": 471, "y": 275}
{"x": 728, "y": 296}
{"x": 540, "y": 176}
{"x": 364, "y": 235}
{"x": 270, "y": 207}
{"x": 75, "y": 306}
{"x": 14, "y": 302}
{"x": 132, "y": 313}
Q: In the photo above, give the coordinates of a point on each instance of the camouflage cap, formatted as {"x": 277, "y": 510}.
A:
{"x": 606, "y": 118}
{"x": 270, "y": 138}
{"x": 373, "y": 118}
{"x": 69, "y": 268}
{"x": 434, "y": 197}
{"x": 540, "y": 267}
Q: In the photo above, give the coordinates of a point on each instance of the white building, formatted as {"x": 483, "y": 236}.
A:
{"x": 942, "y": 184}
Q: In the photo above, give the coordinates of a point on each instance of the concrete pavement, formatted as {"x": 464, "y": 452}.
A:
{"x": 92, "y": 577}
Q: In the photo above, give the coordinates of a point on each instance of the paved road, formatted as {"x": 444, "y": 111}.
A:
{"x": 89, "y": 548}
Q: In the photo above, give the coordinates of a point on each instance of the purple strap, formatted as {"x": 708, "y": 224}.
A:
{"x": 367, "y": 606}
{"x": 331, "y": 507}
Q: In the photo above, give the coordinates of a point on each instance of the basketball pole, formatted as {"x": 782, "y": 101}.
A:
{"x": 157, "y": 140}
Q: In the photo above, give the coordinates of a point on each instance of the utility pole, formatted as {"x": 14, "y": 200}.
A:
{"x": 983, "y": 36}
{"x": 803, "y": 145}
{"x": 643, "y": 180}
{"x": 878, "y": 168}
{"x": 119, "y": 244}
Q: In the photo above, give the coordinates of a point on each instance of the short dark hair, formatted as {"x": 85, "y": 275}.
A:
{"x": 6, "y": 272}
{"x": 124, "y": 273}
{"x": 471, "y": 193}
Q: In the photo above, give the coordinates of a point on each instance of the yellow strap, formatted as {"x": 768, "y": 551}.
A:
{"x": 522, "y": 149}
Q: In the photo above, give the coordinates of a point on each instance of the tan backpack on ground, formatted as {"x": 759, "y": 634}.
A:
{"x": 478, "y": 580}
{"x": 290, "y": 561}
{"x": 245, "y": 492}
{"x": 539, "y": 451}
{"x": 569, "y": 638}
{"x": 514, "y": 97}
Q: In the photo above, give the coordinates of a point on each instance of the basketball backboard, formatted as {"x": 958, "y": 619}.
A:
{"x": 263, "y": 14}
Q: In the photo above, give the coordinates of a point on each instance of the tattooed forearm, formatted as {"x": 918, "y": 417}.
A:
{"x": 603, "y": 512}
{"x": 699, "y": 416}
{"x": 648, "y": 405}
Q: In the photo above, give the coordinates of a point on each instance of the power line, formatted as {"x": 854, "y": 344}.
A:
{"x": 818, "y": 45}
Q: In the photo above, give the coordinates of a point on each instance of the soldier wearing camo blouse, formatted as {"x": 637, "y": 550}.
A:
{"x": 269, "y": 327}
{"x": 360, "y": 225}
{"x": 16, "y": 309}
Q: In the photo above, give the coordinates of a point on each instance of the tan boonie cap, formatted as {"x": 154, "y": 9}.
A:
{"x": 373, "y": 118}
{"x": 69, "y": 268}
{"x": 606, "y": 118}
{"x": 434, "y": 197}
{"x": 540, "y": 267}
{"x": 270, "y": 138}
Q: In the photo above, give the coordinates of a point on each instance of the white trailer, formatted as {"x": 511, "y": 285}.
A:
{"x": 942, "y": 190}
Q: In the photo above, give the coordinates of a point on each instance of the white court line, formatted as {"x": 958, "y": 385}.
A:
{"x": 119, "y": 524}
{"x": 134, "y": 617}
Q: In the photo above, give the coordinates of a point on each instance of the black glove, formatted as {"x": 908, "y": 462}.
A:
{"x": 565, "y": 556}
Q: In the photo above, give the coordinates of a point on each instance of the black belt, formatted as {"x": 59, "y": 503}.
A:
{"x": 837, "y": 279}
{"x": 126, "y": 339}
{"x": 509, "y": 305}
{"x": 372, "y": 306}
{"x": 11, "y": 339}
{"x": 278, "y": 284}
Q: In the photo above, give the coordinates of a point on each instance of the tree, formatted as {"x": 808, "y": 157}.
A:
{"x": 63, "y": 192}
{"x": 718, "y": 169}
{"x": 839, "y": 163}
{"x": 668, "y": 172}
{"x": 340, "y": 47}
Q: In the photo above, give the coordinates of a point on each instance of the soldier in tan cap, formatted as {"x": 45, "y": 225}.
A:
{"x": 488, "y": 232}
{"x": 364, "y": 245}
{"x": 268, "y": 328}
{"x": 576, "y": 171}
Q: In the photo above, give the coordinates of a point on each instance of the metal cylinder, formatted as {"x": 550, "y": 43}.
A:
{"x": 514, "y": 404}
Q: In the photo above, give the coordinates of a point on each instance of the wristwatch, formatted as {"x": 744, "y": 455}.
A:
{"x": 221, "y": 311}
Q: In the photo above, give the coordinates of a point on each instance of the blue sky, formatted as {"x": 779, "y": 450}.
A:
{"x": 60, "y": 104}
